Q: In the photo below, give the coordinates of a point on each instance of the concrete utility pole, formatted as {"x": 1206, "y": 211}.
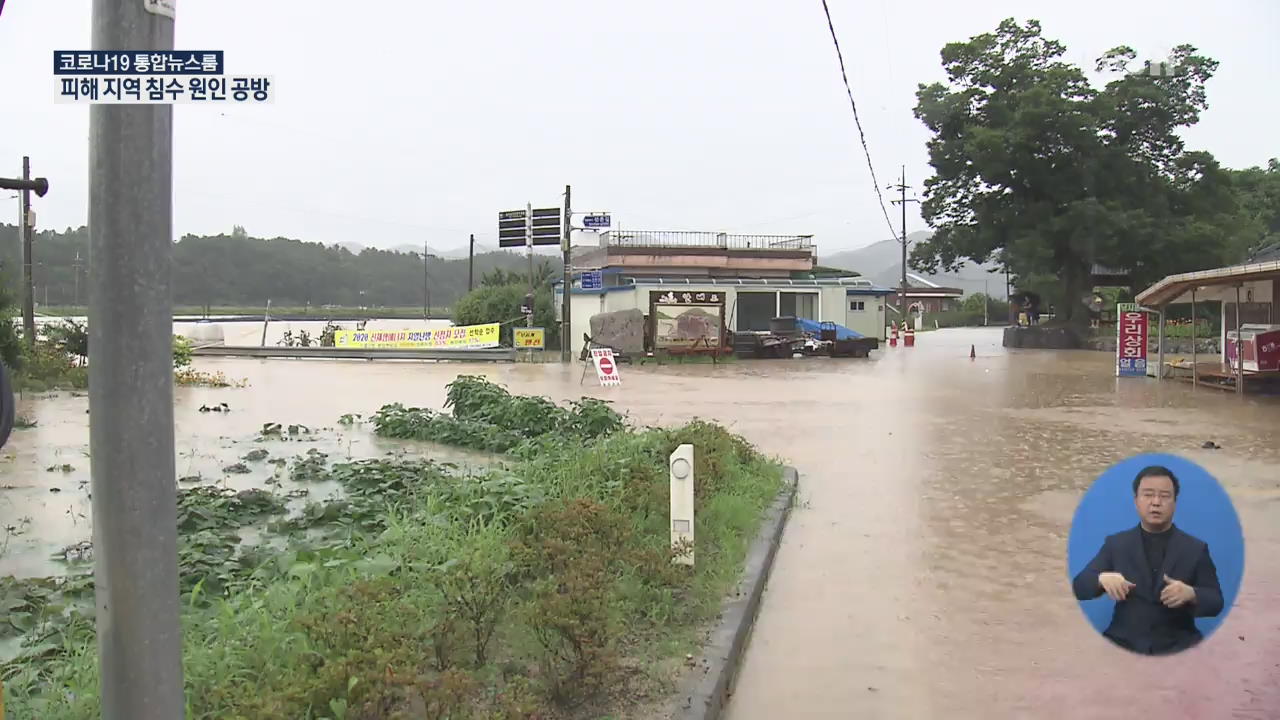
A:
{"x": 566, "y": 306}
{"x": 131, "y": 386}
{"x": 471, "y": 263}
{"x": 426, "y": 287}
{"x": 24, "y": 186}
{"x": 902, "y": 289}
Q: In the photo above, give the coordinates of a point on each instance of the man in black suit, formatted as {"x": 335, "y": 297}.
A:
{"x": 1161, "y": 578}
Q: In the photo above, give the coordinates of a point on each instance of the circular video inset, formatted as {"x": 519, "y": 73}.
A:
{"x": 1156, "y": 554}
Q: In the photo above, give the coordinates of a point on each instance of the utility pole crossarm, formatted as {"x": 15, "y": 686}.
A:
{"x": 902, "y": 187}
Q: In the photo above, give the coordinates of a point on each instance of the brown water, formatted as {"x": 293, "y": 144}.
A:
{"x": 925, "y": 573}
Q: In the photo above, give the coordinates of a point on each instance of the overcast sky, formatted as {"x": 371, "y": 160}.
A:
{"x": 414, "y": 121}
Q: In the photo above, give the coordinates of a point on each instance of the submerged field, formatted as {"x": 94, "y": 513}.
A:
{"x": 536, "y": 586}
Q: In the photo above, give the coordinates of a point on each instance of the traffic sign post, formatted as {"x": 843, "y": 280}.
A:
{"x": 531, "y": 226}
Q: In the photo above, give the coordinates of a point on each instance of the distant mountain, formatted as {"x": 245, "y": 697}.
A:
{"x": 881, "y": 262}
{"x": 453, "y": 254}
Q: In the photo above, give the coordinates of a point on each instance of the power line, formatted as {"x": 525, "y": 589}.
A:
{"x": 845, "y": 76}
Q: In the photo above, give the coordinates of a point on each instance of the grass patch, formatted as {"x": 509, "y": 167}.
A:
{"x": 531, "y": 591}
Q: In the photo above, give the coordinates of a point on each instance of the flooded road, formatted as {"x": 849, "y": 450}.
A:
{"x": 923, "y": 575}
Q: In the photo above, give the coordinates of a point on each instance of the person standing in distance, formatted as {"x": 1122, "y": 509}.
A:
{"x": 1161, "y": 578}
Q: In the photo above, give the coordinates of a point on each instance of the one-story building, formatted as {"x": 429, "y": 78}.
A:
{"x": 743, "y": 304}
{"x": 695, "y": 284}
{"x": 1248, "y": 295}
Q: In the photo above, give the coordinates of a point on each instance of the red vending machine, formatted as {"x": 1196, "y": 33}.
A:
{"x": 1261, "y": 348}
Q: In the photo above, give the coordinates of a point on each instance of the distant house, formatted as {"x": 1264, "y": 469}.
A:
{"x": 930, "y": 296}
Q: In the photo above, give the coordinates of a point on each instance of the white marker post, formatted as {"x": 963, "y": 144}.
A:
{"x": 681, "y": 465}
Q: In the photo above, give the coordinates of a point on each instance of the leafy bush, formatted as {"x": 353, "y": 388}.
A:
{"x": 181, "y": 352}
{"x": 47, "y": 366}
{"x": 70, "y": 337}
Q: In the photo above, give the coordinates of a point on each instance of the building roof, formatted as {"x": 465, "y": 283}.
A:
{"x": 1266, "y": 254}
{"x": 857, "y": 282}
{"x": 932, "y": 292}
{"x": 1173, "y": 287}
{"x": 920, "y": 281}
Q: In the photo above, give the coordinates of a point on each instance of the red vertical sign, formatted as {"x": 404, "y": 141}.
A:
{"x": 1131, "y": 341}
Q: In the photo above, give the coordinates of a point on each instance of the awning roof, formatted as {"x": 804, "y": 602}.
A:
{"x": 1175, "y": 286}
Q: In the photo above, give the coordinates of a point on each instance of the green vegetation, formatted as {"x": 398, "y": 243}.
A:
{"x": 241, "y": 271}
{"x": 501, "y": 304}
{"x": 1047, "y": 175}
{"x": 540, "y": 589}
{"x": 970, "y": 313}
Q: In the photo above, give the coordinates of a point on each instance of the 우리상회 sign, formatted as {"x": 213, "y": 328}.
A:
{"x": 1131, "y": 341}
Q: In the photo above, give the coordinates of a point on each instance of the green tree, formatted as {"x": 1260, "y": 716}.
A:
{"x": 544, "y": 273}
{"x": 975, "y": 302}
{"x": 1035, "y": 166}
{"x": 1257, "y": 193}
{"x": 501, "y": 304}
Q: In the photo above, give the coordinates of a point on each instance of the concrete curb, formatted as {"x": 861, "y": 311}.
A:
{"x": 704, "y": 696}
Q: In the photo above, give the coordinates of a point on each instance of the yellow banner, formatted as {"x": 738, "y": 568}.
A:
{"x": 464, "y": 336}
{"x": 529, "y": 338}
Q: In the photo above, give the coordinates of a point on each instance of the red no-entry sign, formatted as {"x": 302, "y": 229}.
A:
{"x": 606, "y": 366}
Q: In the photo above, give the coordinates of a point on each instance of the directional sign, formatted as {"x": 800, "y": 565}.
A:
{"x": 600, "y": 220}
{"x": 513, "y": 228}
{"x": 606, "y": 366}
{"x": 517, "y": 227}
{"x": 591, "y": 280}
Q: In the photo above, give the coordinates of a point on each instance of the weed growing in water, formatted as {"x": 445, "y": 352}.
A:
{"x": 510, "y": 593}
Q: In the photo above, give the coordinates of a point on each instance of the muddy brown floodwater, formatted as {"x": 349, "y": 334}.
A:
{"x": 924, "y": 574}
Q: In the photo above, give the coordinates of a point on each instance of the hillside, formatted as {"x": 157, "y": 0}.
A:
{"x": 881, "y": 262}
{"x": 242, "y": 270}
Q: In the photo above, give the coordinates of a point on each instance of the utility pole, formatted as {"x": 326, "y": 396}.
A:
{"x": 566, "y": 305}
{"x": 471, "y": 263}
{"x": 75, "y": 297}
{"x": 24, "y": 185}
{"x": 986, "y": 304}
{"x": 135, "y": 535}
{"x": 1008, "y": 291}
{"x": 426, "y": 289}
{"x": 902, "y": 288}
{"x": 28, "y": 280}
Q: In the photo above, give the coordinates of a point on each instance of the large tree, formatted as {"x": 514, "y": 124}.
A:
{"x": 1039, "y": 168}
{"x": 1258, "y": 217}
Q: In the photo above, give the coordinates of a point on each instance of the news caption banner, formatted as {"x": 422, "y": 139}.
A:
{"x": 153, "y": 77}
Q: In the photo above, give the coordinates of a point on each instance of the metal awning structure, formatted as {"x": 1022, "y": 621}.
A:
{"x": 1215, "y": 284}
{"x": 1172, "y": 288}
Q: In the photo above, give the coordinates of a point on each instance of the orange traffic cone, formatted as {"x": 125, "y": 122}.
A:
{"x": 972, "y": 354}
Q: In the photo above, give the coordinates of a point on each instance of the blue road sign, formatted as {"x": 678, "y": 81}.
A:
{"x": 596, "y": 221}
{"x": 591, "y": 280}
